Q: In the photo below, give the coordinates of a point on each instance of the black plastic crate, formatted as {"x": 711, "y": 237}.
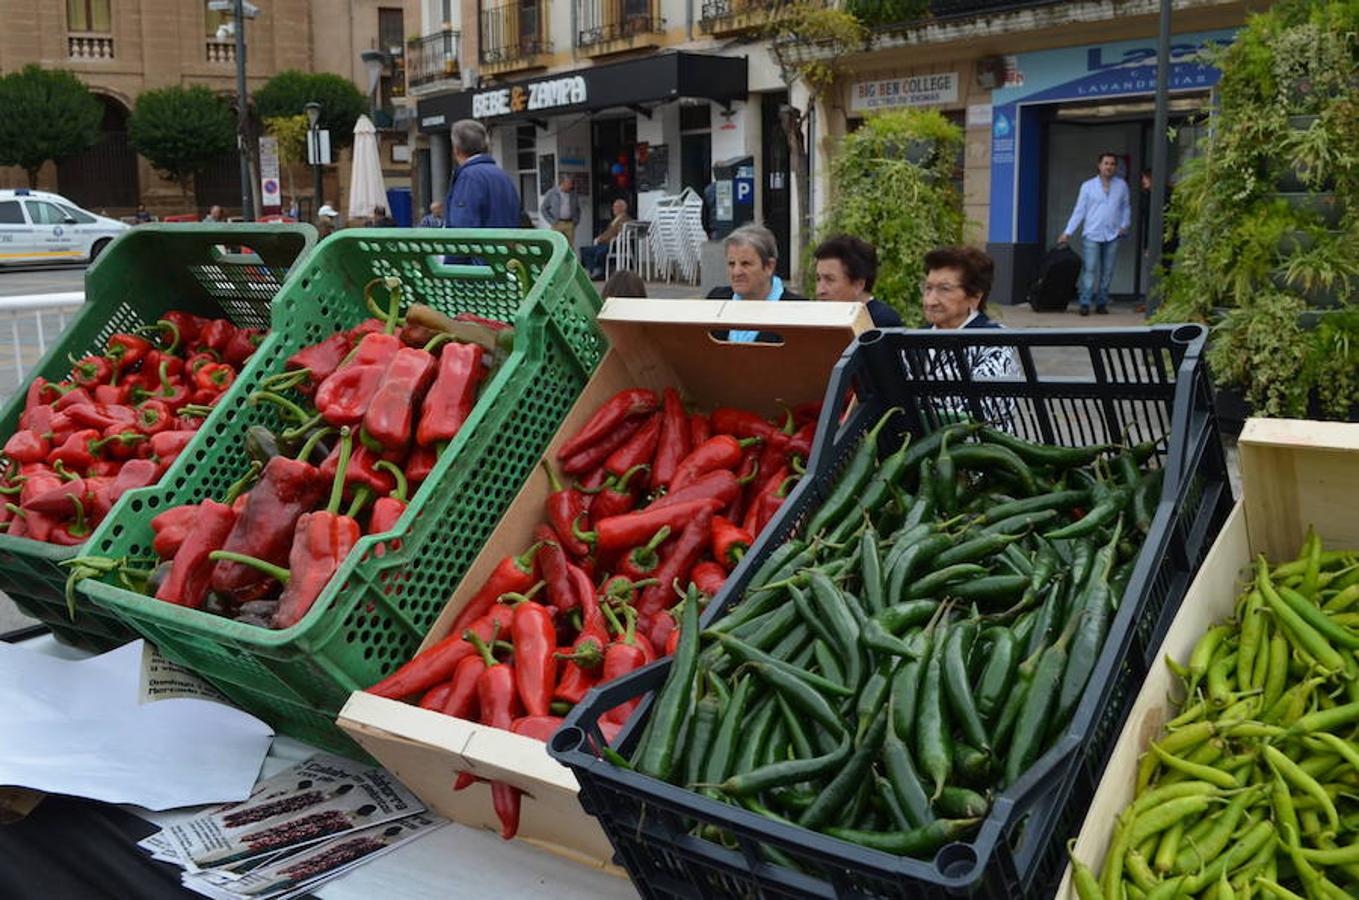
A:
{"x": 1133, "y": 385}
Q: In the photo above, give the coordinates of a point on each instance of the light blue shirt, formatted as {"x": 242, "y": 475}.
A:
{"x": 1104, "y": 214}
{"x": 775, "y": 294}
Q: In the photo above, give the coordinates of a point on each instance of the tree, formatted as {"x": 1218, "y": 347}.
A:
{"x": 808, "y": 39}
{"x": 288, "y": 93}
{"x": 45, "y": 114}
{"x": 182, "y": 130}
{"x": 290, "y": 133}
{"x": 892, "y": 185}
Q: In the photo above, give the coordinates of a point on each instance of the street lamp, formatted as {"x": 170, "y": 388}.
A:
{"x": 313, "y": 110}
{"x": 241, "y": 11}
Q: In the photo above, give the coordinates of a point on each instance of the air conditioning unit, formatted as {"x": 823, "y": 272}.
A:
{"x": 990, "y": 72}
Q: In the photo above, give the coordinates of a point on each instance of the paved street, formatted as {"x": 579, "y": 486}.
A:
{"x": 40, "y": 280}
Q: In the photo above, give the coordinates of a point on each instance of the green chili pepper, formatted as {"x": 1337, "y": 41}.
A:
{"x": 958, "y": 692}
{"x": 851, "y": 480}
{"x": 746, "y": 653}
{"x": 784, "y": 772}
{"x": 901, "y": 774}
{"x": 933, "y": 742}
{"x": 701, "y": 731}
{"x": 920, "y": 842}
{"x": 1040, "y": 698}
{"x": 849, "y": 779}
{"x": 672, "y": 704}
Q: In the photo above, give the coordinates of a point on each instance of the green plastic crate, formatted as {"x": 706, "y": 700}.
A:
{"x": 376, "y": 610}
{"x": 147, "y": 271}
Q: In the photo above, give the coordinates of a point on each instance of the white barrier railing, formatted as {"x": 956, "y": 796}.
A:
{"x": 32, "y": 322}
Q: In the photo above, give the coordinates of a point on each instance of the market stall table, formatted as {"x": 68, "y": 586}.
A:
{"x": 453, "y": 861}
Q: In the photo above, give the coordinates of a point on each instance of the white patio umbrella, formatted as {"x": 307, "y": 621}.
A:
{"x": 366, "y": 188}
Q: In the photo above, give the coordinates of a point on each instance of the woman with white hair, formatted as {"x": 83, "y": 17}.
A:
{"x": 752, "y": 256}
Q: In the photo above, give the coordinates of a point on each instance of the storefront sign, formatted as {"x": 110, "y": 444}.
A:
{"x": 917, "y": 90}
{"x": 1083, "y": 73}
{"x": 531, "y": 96}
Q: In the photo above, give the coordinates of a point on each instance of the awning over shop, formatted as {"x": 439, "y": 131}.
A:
{"x": 632, "y": 83}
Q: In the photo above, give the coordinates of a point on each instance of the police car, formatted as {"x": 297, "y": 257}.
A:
{"x": 40, "y": 227}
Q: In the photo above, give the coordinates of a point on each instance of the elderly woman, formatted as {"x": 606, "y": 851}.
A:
{"x": 953, "y": 295}
{"x": 752, "y": 256}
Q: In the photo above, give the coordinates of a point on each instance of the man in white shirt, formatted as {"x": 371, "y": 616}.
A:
{"x": 1103, "y": 207}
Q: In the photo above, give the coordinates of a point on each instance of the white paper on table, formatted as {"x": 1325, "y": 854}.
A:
{"x": 82, "y": 728}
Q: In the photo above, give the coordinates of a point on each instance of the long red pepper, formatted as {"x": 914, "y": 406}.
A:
{"x": 619, "y": 494}
{"x": 498, "y": 700}
{"x": 436, "y": 697}
{"x": 673, "y": 444}
{"x": 534, "y": 638}
{"x": 187, "y": 584}
{"x": 638, "y": 451}
{"x": 438, "y": 661}
{"x": 622, "y": 656}
{"x": 700, "y": 429}
{"x": 677, "y": 563}
{"x": 581, "y": 668}
{"x": 730, "y": 542}
{"x": 462, "y": 700}
{"x": 618, "y": 408}
{"x": 391, "y": 414}
{"x": 344, "y": 397}
{"x": 564, "y": 506}
{"x": 623, "y": 532}
{"x": 721, "y": 451}
{"x": 721, "y": 485}
{"x": 595, "y": 454}
{"x": 751, "y": 521}
{"x": 708, "y": 577}
{"x": 741, "y": 423}
{"x": 540, "y": 728}
{"x": 454, "y": 393}
{"x": 551, "y": 566}
{"x": 591, "y": 617}
{"x": 513, "y": 575}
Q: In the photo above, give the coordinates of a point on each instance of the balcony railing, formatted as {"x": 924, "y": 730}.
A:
{"x": 220, "y": 52}
{"x": 606, "y": 21}
{"x": 514, "y": 32}
{"x": 89, "y": 45}
{"x": 433, "y": 57}
{"x": 725, "y": 16}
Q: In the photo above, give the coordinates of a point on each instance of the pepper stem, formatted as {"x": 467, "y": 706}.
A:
{"x": 341, "y": 469}
{"x": 553, "y": 481}
{"x": 237, "y": 488}
{"x": 585, "y": 537}
{"x": 282, "y": 381}
{"x": 437, "y": 342}
{"x": 750, "y": 442}
{"x": 483, "y": 647}
{"x": 399, "y": 491}
{"x": 525, "y": 561}
{"x": 278, "y": 573}
{"x": 514, "y": 598}
{"x": 361, "y": 498}
{"x": 310, "y": 446}
{"x": 292, "y": 434}
{"x": 78, "y": 527}
{"x": 623, "y": 479}
{"x": 59, "y": 467}
{"x": 613, "y": 619}
{"x": 289, "y": 408}
{"x": 754, "y": 472}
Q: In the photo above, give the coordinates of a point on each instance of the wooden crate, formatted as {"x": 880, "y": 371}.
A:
{"x": 1294, "y": 474}
{"x": 653, "y": 345}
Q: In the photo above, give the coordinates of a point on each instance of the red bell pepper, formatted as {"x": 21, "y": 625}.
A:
{"x": 619, "y": 494}
{"x": 344, "y": 397}
{"x": 374, "y": 349}
{"x": 38, "y": 388}
{"x": 215, "y": 334}
{"x": 287, "y": 488}
{"x": 320, "y": 360}
{"x": 73, "y": 531}
{"x": 708, "y": 577}
{"x": 242, "y": 345}
{"x": 618, "y": 533}
{"x": 120, "y": 443}
{"x": 198, "y": 361}
{"x": 389, "y": 509}
{"x": 390, "y": 418}
{"x": 582, "y": 668}
{"x": 638, "y": 450}
{"x": 27, "y": 447}
{"x": 166, "y": 446}
{"x": 535, "y": 667}
{"x": 135, "y": 473}
{"x": 76, "y": 452}
{"x": 91, "y": 371}
{"x": 184, "y": 327}
{"x": 615, "y": 411}
{"x": 721, "y": 451}
{"x": 111, "y": 395}
{"x": 37, "y": 419}
{"x": 153, "y": 417}
{"x": 90, "y": 415}
{"x": 171, "y": 528}
{"x": 187, "y": 584}
{"x": 420, "y": 464}
{"x": 362, "y": 472}
{"x": 452, "y": 396}
{"x": 700, "y": 429}
{"x": 74, "y": 397}
{"x": 673, "y": 444}
{"x": 513, "y": 575}
{"x": 126, "y": 350}
{"x": 678, "y": 562}
{"x": 730, "y": 542}
{"x": 174, "y": 365}
{"x": 564, "y": 506}
{"x": 214, "y": 377}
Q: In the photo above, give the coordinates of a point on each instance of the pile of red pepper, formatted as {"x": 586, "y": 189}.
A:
{"x": 667, "y": 503}
{"x": 115, "y": 423}
{"x": 394, "y": 392}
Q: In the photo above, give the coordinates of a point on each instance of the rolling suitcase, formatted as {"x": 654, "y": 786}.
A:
{"x": 1055, "y": 285}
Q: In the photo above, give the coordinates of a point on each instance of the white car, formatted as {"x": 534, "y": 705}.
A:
{"x": 41, "y": 227}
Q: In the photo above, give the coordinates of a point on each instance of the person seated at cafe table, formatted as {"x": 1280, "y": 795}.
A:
{"x": 752, "y": 256}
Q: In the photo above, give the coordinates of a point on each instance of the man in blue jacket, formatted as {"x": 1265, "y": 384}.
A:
{"x": 481, "y": 195}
